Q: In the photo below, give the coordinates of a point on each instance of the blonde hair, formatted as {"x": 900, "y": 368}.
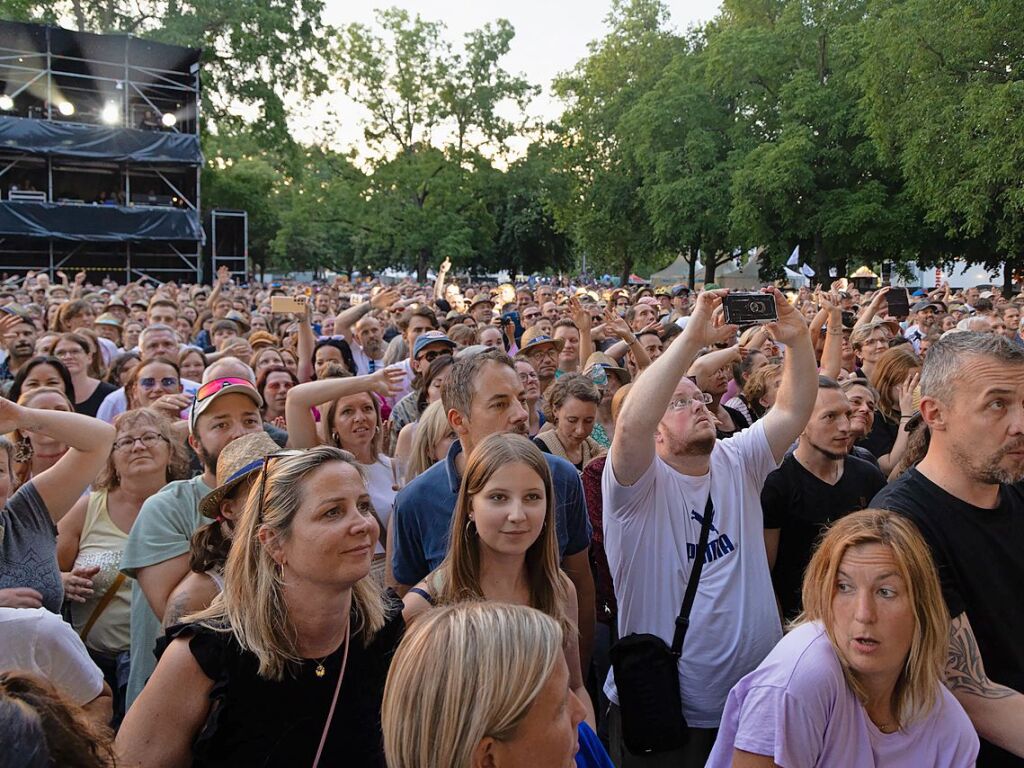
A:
{"x": 862, "y": 332}
{"x": 757, "y": 386}
{"x": 496, "y": 659}
{"x": 459, "y": 574}
{"x": 252, "y": 605}
{"x": 917, "y": 688}
{"x": 431, "y": 428}
{"x": 333, "y": 438}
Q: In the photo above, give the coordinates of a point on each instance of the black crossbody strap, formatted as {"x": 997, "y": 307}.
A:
{"x": 683, "y": 619}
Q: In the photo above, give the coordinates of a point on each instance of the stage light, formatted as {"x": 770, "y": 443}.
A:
{"x": 6, "y": 103}
{"x": 169, "y": 119}
{"x": 66, "y": 108}
{"x": 111, "y": 114}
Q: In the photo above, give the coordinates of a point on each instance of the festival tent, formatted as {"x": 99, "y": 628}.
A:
{"x": 676, "y": 272}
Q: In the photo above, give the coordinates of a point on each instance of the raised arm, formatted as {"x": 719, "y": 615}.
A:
{"x": 996, "y": 711}
{"x": 832, "y": 354}
{"x": 386, "y": 382}
{"x": 581, "y": 317}
{"x": 307, "y": 343}
{"x": 712, "y": 361}
{"x": 868, "y": 313}
{"x": 628, "y": 343}
{"x": 442, "y": 273}
{"x": 345, "y": 320}
{"x": 223, "y": 275}
{"x": 798, "y": 391}
{"x": 633, "y": 444}
{"x": 88, "y": 440}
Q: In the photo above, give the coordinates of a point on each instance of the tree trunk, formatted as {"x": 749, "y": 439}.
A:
{"x": 627, "y": 267}
{"x": 1008, "y": 270}
{"x": 422, "y": 261}
{"x": 693, "y": 269}
{"x": 821, "y": 264}
{"x": 709, "y": 270}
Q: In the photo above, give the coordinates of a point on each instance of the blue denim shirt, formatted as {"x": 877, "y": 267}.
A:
{"x": 424, "y": 509}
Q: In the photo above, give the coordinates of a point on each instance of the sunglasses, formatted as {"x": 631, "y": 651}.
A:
{"x": 211, "y": 388}
{"x": 263, "y": 474}
{"x": 167, "y": 382}
{"x": 432, "y": 354}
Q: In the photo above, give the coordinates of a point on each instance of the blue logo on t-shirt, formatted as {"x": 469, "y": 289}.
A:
{"x": 715, "y": 548}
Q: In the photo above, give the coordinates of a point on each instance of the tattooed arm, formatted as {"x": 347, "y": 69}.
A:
{"x": 195, "y": 593}
{"x": 996, "y": 711}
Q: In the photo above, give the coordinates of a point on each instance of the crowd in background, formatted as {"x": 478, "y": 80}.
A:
{"x": 357, "y": 523}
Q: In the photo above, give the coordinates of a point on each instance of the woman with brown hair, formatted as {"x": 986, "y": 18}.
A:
{"x": 157, "y": 384}
{"x": 287, "y": 667}
{"x": 75, "y": 351}
{"x": 761, "y": 388}
{"x": 34, "y": 453}
{"x": 503, "y": 544}
{"x": 896, "y": 378}
{"x": 41, "y": 727}
{"x": 570, "y": 405}
{"x": 91, "y": 537}
{"x": 858, "y": 680}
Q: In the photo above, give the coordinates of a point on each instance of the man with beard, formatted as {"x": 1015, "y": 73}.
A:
{"x": 665, "y": 474}
{"x": 157, "y": 551}
{"x": 484, "y": 395}
{"x": 922, "y": 316}
{"x": 966, "y": 498}
{"x": 817, "y": 484}
{"x": 364, "y": 333}
{"x": 541, "y": 351}
{"x": 19, "y": 336}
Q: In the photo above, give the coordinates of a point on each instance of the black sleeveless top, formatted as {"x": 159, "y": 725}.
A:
{"x": 258, "y": 722}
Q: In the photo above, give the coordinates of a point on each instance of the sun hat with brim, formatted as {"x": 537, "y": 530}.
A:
{"x": 482, "y": 298}
{"x": 107, "y": 319}
{"x": 609, "y": 365}
{"x": 533, "y": 339}
{"x": 240, "y": 458}
{"x": 215, "y": 389}
{"x": 921, "y": 306}
{"x": 259, "y": 339}
{"x": 116, "y": 301}
{"x": 239, "y": 318}
{"x": 424, "y": 340}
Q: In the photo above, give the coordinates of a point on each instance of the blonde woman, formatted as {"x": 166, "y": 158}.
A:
{"x": 501, "y": 697}
{"x": 503, "y": 544}
{"x": 858, "y": 680}
{"x": 429, "y": 444}
{"x": 287, "y": 666}
{"x": 897, "y": 375}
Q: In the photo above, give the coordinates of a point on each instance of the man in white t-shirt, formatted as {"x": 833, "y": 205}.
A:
{"x": 664, "y": 462}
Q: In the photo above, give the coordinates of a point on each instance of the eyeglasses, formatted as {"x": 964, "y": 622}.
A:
{"x": 263, "y": 474}
{"x": 531, "y": 315}
{"x": 148, "y": 440}
{"x": 432, "y": 354}
{"x": 684, "y": 402}
{"x": 525, "y": 377}
{"x": 211, "y": 388}
{"x": 543, "y": 352}
{"x": 167, "y": 382}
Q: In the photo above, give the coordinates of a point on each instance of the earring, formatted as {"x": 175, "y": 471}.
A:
{"x": 23, "y": 451}
{"x": 468, "y": 524}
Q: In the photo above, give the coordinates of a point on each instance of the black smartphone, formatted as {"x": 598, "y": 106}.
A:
{"x": 898, "y": 302}
{"x": 749, "y": 308}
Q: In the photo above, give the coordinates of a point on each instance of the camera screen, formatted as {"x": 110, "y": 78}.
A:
{"x": 749, "y": 308}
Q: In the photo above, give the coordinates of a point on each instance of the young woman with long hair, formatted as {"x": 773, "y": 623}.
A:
{"x": 75, "y": 350}
{"x": 503, "y": 544}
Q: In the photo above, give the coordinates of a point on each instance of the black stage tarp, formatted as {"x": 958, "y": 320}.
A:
{"x": 97, "y": 142}
{"x": 99, "y": 223}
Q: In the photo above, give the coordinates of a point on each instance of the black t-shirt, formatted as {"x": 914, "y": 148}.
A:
{"x": 802, "y": 506}
{"x": 92, "y": 404}
{"x": 978, "y": 556}
{"x": 738, "y": 420}
{"x": 882, "y": 436}
{"x": 258, "y": 722}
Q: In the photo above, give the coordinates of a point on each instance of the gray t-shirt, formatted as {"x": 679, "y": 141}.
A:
{"x": 28, "y": 547}
{"x": 162, "y": 531}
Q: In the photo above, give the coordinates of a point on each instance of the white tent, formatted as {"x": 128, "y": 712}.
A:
{"x": 676, "y": 272}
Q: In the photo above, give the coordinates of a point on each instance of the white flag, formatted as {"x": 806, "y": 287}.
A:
{"x": 794, "y": 257}
{"x": 807, "y": 271}
{"x": 832, "y": 272}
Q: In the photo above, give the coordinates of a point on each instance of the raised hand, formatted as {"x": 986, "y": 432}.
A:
{"x": 172, "y": 405}
{"x": 446, "y": 266}
{"x": 791, "y": 325}
{"x": 580, "y": 316}
{"x": 80, "y": 277}
{"x": 705, "y": 327}
{"x": 387, "y": 382}
{"x": 7, "y": 323}
{"x": 616, "y": 325}
{"x": 385, "y": 298}
{"x": 906, "y": 393}
{"x": 223, "y": 275}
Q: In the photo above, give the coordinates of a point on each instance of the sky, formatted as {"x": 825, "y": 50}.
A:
{"x": 551, "y": 36}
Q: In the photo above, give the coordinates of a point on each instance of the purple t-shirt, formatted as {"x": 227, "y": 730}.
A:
{"x": 797, "y": 709}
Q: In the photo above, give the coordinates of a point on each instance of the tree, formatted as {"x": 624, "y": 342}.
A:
{"x": 944, "y": 89}
{"x": 602, "y": 206}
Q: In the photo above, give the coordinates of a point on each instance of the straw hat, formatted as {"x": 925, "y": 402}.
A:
{"x": 240, "y": 458}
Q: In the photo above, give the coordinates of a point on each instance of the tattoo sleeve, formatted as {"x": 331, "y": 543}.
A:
{"x": 177, "y": 609}
{"x": 965, "y": 670}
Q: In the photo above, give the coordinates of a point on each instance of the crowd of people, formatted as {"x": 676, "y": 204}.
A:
{"x": 545, "y": 524}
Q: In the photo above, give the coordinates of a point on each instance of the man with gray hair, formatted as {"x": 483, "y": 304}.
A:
{"x": 966, "y": 497}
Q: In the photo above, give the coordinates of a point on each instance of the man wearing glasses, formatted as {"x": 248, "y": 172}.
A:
{"x": 664, "y": 466}
{"x": 156, "y": 553}
{"x": 420, "y": 321}
{"x": 541, "y": 351}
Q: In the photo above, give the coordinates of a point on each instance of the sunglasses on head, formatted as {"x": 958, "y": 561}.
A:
{"x": 263, "y": 474}
{"x": 211, "y": 388}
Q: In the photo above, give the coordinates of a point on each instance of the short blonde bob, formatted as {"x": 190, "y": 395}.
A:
{"x": 252, "y": 605}
{"x": 917, "y": 689}
{"x": 464, "y": 673}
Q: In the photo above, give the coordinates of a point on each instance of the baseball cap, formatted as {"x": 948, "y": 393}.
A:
{"x": 428, "y": 338}
{"x": 216, "y": 388}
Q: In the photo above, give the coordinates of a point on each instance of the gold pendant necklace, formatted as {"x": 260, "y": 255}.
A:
{"x": 320, "y": 669}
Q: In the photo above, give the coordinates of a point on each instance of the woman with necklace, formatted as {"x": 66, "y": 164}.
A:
{"x": 288, "y": 666}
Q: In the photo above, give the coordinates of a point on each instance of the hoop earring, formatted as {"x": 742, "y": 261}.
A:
{"x": 23, "y": 451}
{"x": 336, "y": 439}
{"x": 465, "y": 532}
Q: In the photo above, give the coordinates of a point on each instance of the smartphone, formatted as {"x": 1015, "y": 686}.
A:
{"x": 749, "y": 308}
{"x": 287, "y": 305}
{"x": 898, "y": 302}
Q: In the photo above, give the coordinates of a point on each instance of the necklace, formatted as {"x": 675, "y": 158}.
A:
{"x": 321, "y": 670}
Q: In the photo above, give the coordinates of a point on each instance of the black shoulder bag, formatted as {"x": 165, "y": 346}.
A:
{"x": 647, "y": 673}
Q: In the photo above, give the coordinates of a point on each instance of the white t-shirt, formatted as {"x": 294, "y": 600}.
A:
{"x": 651, "y": 531}
{"x": 35, "y": 640}
{"x": 362, "y": 360}
{"x": 380, "y": 483}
